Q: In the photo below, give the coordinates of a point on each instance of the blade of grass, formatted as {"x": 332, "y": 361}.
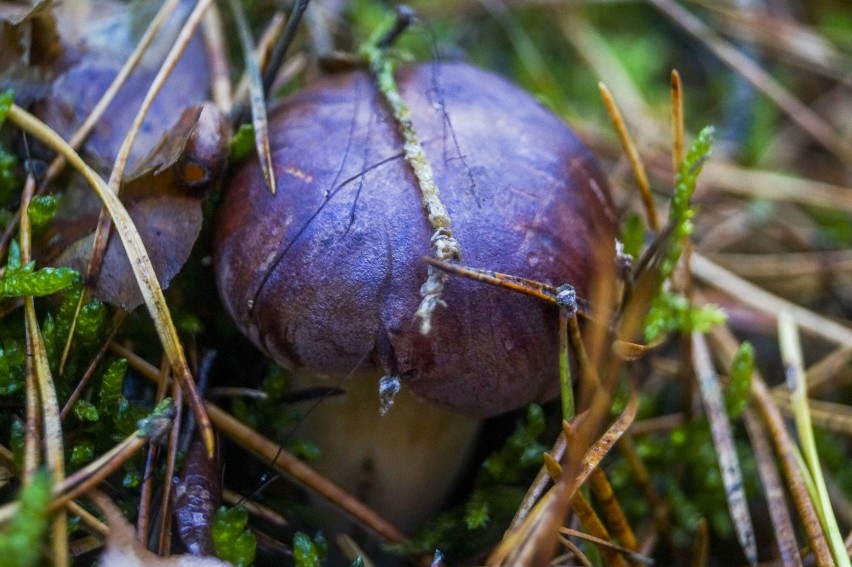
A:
{"x": 142, "y": 268}
{"x": 791, "y": 353}
{"x": 257, "y": 97}
{"x": 723, "y": 441}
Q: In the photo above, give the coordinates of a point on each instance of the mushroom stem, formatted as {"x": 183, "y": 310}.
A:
{"x": 402, "y": 464}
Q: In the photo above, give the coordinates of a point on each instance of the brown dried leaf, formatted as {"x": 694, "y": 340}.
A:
{"x": 30, "y": 45}
{"x": 98, "y": 36}
{"x": 164, "y": 201}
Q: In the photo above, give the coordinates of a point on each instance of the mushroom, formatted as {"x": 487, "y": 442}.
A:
{"x": 324, "y": 275}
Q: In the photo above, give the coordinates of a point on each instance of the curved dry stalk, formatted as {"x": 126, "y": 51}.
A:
{"x": 53, "y": 442}
{"x": 808, "y": 120}
{"x": 139, "y": 260}
{"x": 272, "y": 453}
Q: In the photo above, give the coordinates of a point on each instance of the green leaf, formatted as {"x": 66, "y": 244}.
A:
{"x": 10, "y": 182}
{"x": 91, "y": 322}
{"x": 13, "y": 362}
{"x": 7, "y": 97}
{"x": 305, "y": 552}
{"x": 668, "y": 312}
{"x": 82, "y": 453}
{"x": 231, "y": 540}
{"x": 633, "y": 235}
{"x": 131, "y": 479}
{"x": 21, "y": 544}
{"x": 477, "y": 513}
{"x": 737, "y": 395}
{"x": 242, "y": 144}
{"x": 86, "y": 411}
{"x": 671, "y": 313}
{"x": 110, "y": 394}
{"x": 21, "y": 281}
{"x": 41, "y": 210}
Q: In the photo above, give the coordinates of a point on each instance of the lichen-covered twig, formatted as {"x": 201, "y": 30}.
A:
{"x": 444, "y": 246}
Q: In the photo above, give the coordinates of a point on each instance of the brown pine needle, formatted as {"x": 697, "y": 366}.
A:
{"x": 631, "y": 555}
{"x": 611, "y": 510}
{"x": 629, "y": 147}
{"x": 593, "y": 525}
{"x": 677, "y": 123}
{"x": 257, "y": 97}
